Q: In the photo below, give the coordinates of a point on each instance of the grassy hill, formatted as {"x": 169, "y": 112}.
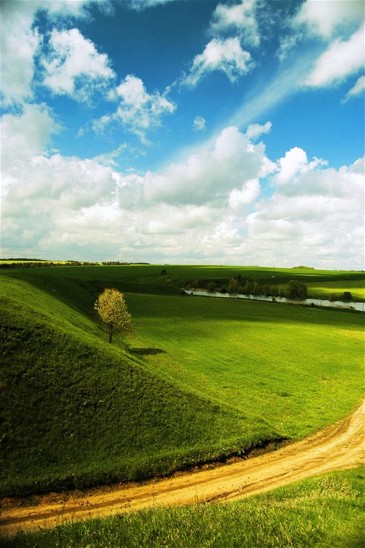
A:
{"x": 77, "y": 411}
{"x": 198, "y": 379}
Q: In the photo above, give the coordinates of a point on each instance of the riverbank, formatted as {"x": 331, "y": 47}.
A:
{"x": 325, "y": 303}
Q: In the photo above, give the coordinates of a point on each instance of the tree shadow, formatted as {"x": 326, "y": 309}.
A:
{"x": 146, "y": 351}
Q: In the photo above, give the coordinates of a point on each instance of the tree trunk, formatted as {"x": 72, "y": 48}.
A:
{"x": 110, "y": 333}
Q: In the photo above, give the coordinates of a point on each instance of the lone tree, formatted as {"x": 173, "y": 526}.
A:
{"x": 113, "y": 311}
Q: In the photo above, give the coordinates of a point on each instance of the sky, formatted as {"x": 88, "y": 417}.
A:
{"x": 183, "y": 131}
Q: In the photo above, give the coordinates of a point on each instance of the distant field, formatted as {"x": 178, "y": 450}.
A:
{"x": 328, "y": 289}
{"x": 197, "y": 379}
{"x": 148, "y": 278}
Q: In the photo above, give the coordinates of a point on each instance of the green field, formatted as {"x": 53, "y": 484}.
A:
{"x": 321, "y": 512}
{"x": 198, "y": 379}
{"x": 331, "y": 289}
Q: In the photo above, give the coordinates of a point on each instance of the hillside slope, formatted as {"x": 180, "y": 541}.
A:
{"x": 76, "y": 411}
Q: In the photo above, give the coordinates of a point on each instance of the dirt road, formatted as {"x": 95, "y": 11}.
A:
{"x": 337, "y": 447}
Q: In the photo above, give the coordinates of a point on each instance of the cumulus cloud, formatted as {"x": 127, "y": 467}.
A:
{"x": 138, "y": 111}
{"x": 247, "y": 195}
{"x": 20, "y": 41}
{"x": 25, "y": 135}
{"x": 225, "y": 56}
{"x": 324, "y": 19}
{"x": 47, "y": 195}
{"x": 341, "y": 59}
{"x": 209, "y": 175}
{"x": 315, "y": 215}
{"x": 240, "y": 18}
{"x": 172, "y": 220}
{"x": 216, "y": 206}
{"x": 73, "y": 66}
{"x": 293, "y": 163}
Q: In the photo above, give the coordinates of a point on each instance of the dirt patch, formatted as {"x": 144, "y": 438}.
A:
{"x": 338, "y": 447}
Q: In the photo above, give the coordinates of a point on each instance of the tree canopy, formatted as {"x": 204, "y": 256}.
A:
{"x": 113, "y": 311}
{"x": 297, "y": 290}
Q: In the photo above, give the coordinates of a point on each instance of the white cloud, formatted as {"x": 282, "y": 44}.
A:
{"x": 47, "y": 196}
{"x": 287, "y": 44}
{"x": 226, "y": 56}
{"x": 316, "y": 216}
{"x": 357, "y": 89}
{"x": 140, "y": 5}
{"x": 41, "y": 190}
{"x": 256, "y": 130}
{"x": 293, "y": 163}
{"x": 240, "y": 18}
{"x": 341, "y": 59}
{"x": 208, "y": 176}
{"x": 325, "y": 18}
{"x": 20, "y": 41}
{"x": 215, "y": 207}
{"x": 199, "y": 123}
{"x": 138, "y": 110}
{"x": 73, "y": 66}
{"x": 176, "y": 220}
{"x": 25, "y": 135}
{"x": 73, "y": 8}
{"x": 248, "y": 195}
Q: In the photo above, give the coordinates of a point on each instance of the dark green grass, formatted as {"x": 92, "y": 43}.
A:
{"x": 76, "y": 411}
{"x": 322, "y": 512}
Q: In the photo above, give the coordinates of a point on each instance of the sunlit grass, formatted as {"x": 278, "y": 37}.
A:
{"x": 332, "y": 289}
{"x": 299, "y": 368}
{"x": 196, "y": 380}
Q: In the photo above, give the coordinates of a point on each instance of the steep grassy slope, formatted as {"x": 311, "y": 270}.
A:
{"x": 76, "y": 411}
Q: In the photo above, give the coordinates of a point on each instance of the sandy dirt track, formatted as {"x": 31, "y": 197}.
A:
{"x": 337, "y": 447}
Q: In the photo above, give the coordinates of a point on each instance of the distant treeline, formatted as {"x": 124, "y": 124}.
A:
{"x": 39, "y": 263}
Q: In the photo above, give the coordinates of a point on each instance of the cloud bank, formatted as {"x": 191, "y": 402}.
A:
{"x": 227, "y": 200}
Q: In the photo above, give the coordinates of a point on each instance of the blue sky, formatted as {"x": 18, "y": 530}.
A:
{"x": 184, "y": 131}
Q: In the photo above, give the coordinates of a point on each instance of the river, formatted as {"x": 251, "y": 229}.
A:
{"x": 360, "y": 307}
